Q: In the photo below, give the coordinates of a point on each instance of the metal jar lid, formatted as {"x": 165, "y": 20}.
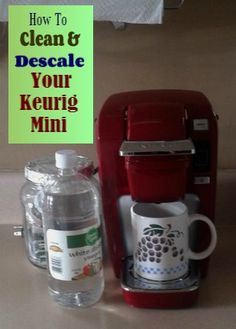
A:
{"x": 36, "y": 170}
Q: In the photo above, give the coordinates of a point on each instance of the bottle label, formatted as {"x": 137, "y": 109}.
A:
{"x": 74, "y": 255}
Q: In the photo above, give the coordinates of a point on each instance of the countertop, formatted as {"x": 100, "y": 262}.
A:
{"x": 24, "y": 300}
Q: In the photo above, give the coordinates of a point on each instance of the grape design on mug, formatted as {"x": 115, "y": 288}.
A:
{"x": 156, "y": 241}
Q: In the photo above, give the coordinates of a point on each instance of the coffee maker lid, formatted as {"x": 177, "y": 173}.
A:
{"x": 156, "y": 121}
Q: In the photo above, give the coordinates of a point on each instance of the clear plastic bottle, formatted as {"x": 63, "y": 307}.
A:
{"x": 72, "y": 229}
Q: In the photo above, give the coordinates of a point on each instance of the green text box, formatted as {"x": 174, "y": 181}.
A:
{"x": 50, "y": 74}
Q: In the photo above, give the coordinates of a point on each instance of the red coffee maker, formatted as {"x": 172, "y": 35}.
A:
{"x": 156, "y": 146}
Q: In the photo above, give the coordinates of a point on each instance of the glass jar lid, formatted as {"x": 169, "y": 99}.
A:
{"x": 36, "y": 170}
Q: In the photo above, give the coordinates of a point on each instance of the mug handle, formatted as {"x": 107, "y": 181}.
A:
{"x": 205, "y": 253}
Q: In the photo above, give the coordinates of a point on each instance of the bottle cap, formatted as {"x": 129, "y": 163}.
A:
{"x": 66, "y": 159}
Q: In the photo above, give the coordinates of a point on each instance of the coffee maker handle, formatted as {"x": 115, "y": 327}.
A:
{"x": 205, "y": 253}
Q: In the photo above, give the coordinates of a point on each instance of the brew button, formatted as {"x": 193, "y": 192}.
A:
{"x": 200, "y": 124}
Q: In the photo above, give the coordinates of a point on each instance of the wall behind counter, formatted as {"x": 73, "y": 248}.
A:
{"x": 194, "y": 48}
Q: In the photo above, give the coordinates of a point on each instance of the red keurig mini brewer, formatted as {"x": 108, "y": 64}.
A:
{"x": 156, "y": 146}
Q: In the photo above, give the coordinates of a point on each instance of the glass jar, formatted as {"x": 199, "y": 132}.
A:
{"x": 35, "y": 173}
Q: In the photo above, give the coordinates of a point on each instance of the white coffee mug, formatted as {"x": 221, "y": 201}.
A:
{"x": 161, "y": 240}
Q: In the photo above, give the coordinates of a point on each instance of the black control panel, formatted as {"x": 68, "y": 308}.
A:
{"x": 202, "y": 157}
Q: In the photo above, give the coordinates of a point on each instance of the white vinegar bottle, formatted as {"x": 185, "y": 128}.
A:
{"x": 72, "y": 228}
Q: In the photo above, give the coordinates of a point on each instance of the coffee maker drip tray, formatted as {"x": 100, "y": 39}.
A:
{"x": 141, "y": 292}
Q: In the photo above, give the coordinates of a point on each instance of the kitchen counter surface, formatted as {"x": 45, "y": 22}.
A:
{"x": 24, "y": 301}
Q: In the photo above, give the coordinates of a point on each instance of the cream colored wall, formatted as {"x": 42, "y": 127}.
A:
{"x": 194, "y": 48}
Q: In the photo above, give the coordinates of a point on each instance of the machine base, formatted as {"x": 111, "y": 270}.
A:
{"x": 143, "y": 293}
